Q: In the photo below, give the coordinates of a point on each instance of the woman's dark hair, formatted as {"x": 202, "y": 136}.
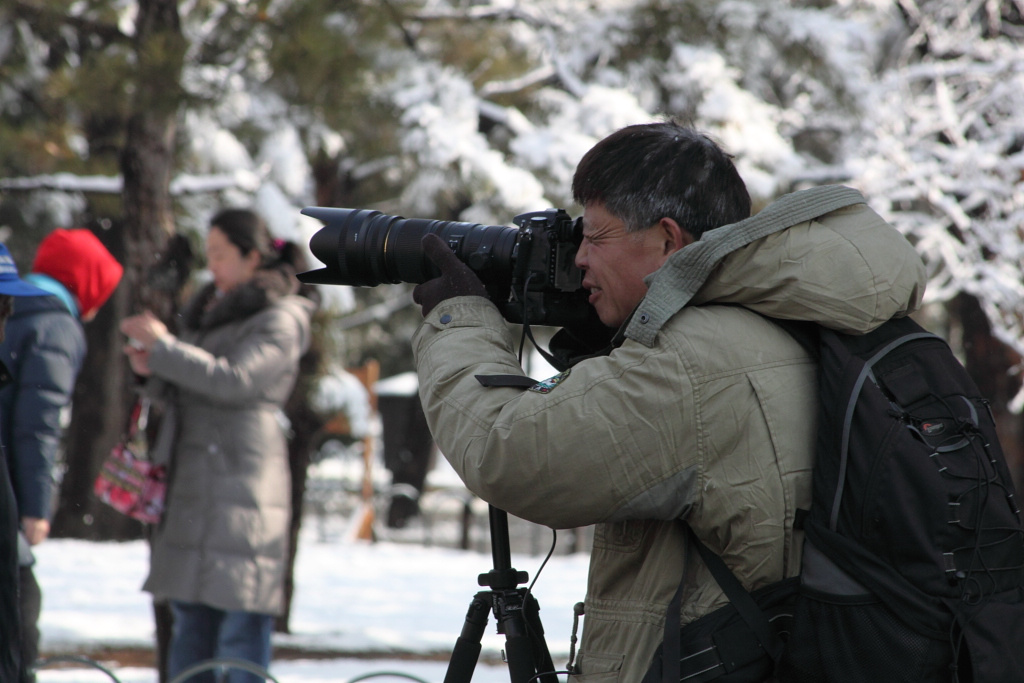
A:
{"x": 645, "y": 172}
{"x": 248, "y": 231}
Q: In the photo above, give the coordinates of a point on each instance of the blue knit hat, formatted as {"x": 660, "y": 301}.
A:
{"x": 10, "y": 283}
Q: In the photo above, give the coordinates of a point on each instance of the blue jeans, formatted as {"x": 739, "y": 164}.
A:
{"x": 201, "y": 633}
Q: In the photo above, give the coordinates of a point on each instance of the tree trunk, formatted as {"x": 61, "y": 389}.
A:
{"x": 104, "y": 390}
{"x": 146, "y": 165}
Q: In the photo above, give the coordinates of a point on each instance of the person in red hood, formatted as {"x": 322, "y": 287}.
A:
{"x": 43, "y": 349}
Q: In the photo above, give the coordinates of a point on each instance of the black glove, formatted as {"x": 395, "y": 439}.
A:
{"x": 456, "y": 278}
{"x": 582, "y": 340}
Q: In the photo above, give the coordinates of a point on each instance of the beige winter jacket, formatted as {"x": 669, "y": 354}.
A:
{"x": 223, "y": 539}
{"x": 704, "y": 413}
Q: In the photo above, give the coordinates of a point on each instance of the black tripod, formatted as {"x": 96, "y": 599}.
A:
{"x": 517, "y": 614}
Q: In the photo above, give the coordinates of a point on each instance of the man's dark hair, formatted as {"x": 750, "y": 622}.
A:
{"x": 645, "y": 172}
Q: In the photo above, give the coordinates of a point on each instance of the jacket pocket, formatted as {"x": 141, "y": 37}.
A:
{"x": 599, "y": 668}
{"x": 625, "y": 536}
{"x": 823, "y": 647}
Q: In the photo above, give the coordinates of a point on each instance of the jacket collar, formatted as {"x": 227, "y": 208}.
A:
{"x": 209, "y": 309}
{"x": 673, "y": 285}
{"x": 56, "y": 288}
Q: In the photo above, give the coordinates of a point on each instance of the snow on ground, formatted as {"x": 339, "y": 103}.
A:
{"x": 351, "y": 596}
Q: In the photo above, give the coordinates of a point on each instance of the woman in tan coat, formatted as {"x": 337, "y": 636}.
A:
{"x": 220, "y": 551}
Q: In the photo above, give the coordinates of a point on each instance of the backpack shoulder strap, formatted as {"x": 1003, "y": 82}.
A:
{"x": 741, "y": 600}
{"x": 739, "y": 597}
{"x": 886, "y": 339}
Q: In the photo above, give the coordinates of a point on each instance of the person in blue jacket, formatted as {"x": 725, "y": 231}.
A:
{"x": 43, "y": 350}
{"x": 10, "y": 632}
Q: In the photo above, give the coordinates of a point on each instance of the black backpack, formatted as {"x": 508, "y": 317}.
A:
{"x": 913, "y": 565}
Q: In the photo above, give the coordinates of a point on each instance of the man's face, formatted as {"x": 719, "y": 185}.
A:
{"x": 615, "y": 262}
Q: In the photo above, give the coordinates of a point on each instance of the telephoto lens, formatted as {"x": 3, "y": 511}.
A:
{"x": 529, "y": 272}
{"x": 367, "y": 248}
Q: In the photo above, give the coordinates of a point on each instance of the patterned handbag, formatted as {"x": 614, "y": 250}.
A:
{"x": 128, "y": 482}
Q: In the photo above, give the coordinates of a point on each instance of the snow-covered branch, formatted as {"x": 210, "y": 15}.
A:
{"x": 945, "y": 162}
{"x": 184, "y": 184}
{"x": 525, "y": 12}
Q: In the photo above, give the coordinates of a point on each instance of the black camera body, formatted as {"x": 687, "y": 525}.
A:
{"x": 529, "y": 272}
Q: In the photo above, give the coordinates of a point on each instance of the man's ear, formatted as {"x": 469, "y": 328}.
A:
{"x": 673, "y": 236}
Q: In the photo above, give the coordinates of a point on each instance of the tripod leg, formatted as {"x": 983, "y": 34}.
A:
{"x": 467, "y": 648}
{"x": 518, "y": 649}
{"x": 541, "y": 654}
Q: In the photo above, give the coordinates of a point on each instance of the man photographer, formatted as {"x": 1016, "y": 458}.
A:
{"x": 702, "y": 411}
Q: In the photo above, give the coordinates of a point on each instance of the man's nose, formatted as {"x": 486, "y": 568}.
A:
{"x": 581, "y": 257}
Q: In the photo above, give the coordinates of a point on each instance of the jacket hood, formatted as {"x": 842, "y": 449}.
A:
{"x": 79, "y": 261}
{"x": 820, "y": 255}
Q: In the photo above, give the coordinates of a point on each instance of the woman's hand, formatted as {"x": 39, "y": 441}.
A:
{"x": 144, "y": 329}
{"x": 138, "y": 359}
